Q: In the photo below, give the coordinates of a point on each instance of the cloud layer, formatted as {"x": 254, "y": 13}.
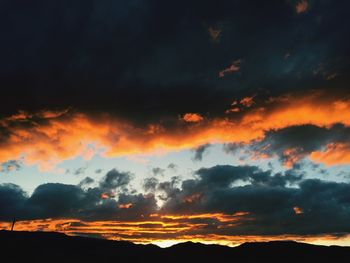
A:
{"x": 137, "y": 60}
{"x": 47, "y": 138}
{"x": 224, "y": 201}
{"x": 123, "y": 78}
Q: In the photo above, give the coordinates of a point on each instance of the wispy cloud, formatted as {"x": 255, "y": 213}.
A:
{"x": 234, "y": 67}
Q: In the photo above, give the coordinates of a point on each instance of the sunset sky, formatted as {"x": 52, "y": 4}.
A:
{"x": 169, "y": 121}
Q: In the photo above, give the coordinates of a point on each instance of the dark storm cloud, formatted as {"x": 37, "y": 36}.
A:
{"x": 258, "y": 203}
{"x": 293, "y": 143}
{"x": 148, "y": 59}
{"x": 115, "y": 179}
{"x": 218, "y": 178}
{"x": 199, "y": 152}
{"x": 168, "y": 189}
{"x": 54, "y": 200}
{"x": 309, "y": 207}
{"x": 12, "y": 200}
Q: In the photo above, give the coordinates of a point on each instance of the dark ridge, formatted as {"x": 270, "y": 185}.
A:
{"x": 56, "y": 247}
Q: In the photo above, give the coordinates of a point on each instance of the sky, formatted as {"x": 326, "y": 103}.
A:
{"x": 168, "y": 121}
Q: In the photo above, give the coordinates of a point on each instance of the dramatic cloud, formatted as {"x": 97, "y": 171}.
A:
{"x": 221, "y": 203}
{"x": 333, "y": 154}
{"x": 90, "y": 91}
{"x": 12, "y": 201}
{"x": 48, "y": 141}
{"x": 270, "y": 204}
{"x": 114, "y": 180}
{"x": 107, "y": 79}
{"x": 54, "y": 200}
{"x": 321, "y": 144}
{"x": 136, "y": 60}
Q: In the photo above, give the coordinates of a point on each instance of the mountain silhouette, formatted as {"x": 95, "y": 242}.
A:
{"x": 57, "y": 247}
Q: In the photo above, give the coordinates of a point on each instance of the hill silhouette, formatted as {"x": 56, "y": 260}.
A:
{"x": 56, "y": 247}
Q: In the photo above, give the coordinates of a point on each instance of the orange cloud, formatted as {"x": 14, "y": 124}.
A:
{"x": 291, "y": 156}
{"x": 247, "y": 101}
{"x": 333, "y": 154}
{"x": 218, "y": 216}
{"x": 232, "y": 68}
{"x": 105, "y": 196}
{"x": 125, "y": 206}
{"x": 159, "y": 232}
{"x": 301, "y": 6}
{"x": 160, "y": 226}
{"x": 234, "y": 108}
{"x": 192, "y": 117}
{"x": 297, "y": 210}
{"x": 58, "y": 137}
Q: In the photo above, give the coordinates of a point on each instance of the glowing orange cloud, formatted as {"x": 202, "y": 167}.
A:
{"x": 218, "y": 216}
{"x": 160, "y": 226}
{"x": 234, "y": 107}
{"x": 192, "y": 117}
{"x": 297, "y": 210}
{"x": 66, "y": 135}
{"x": 291, "y": 156}
{"x": 247, "y": 101}
{"x": 334, "y": 154}
{"x": 125, "y": 206}
{"x": 159, "y": 232}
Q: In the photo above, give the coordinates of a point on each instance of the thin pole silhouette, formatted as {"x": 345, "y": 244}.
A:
{"x": 13, "y": 223}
